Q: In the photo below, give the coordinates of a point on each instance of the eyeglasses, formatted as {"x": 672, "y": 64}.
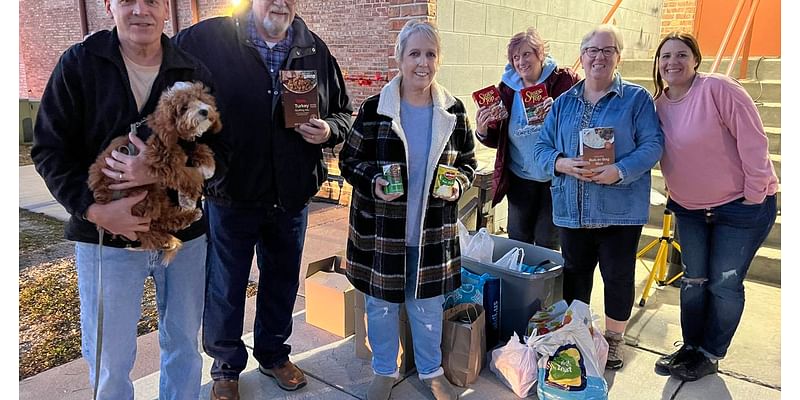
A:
{"x": 595, "y": 51}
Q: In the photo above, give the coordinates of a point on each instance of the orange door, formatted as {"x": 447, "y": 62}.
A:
{"x": 713, "y": 17}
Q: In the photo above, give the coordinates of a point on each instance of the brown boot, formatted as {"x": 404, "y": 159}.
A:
{"x": 288, "y": 376}
{"x": 225, "y": 389}
{"x": 441, "y": 388}
{"x": 381, "y": 387}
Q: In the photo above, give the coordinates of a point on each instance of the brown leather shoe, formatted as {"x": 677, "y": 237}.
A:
{"x": 225, "y": 390}
{"x": 288, "y": 376}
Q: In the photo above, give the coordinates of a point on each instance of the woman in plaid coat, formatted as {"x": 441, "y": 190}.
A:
{"x": 403, "y": 249}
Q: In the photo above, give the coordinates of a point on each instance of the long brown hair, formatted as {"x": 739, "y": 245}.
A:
{"x": 689, "y": 40}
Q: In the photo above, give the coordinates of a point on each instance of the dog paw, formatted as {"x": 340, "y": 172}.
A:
{"x": 198, "y": 213}
{"x": 186, "y": 202}
{"x": 207, "y": 171}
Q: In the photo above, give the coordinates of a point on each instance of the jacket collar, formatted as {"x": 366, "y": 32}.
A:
{"x": 389, "y": 102}
{"x": 616, "y": 87}
{"x": 106, "y": 44}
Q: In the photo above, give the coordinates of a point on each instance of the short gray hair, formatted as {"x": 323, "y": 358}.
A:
{"x": 423, "y": 26}
{"x": 608, "y": 28}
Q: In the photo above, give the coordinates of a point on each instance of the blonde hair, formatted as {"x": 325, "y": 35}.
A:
{"x": 423, "y": 26}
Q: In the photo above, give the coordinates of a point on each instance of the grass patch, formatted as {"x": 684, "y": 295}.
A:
{"x": 49, "y": 308}
{"x": 25, "y": 154}
{"x": 37, "y": 231}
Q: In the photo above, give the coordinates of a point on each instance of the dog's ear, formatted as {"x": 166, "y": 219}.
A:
{"x": 162, "y": 120}
{"x": 216, "y": 126}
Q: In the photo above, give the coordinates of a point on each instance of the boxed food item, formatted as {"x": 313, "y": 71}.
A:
{"x": 330, "y": 298}
{"x": 597, "y": 146}
{"x": 444, "y": 185}
{"x": 394, "y": 176}
{"x": 300, "y": 97}
{"x": 405, "y": 355}
{"x": 537, "y": 103}
{"x": 490, "y": 97}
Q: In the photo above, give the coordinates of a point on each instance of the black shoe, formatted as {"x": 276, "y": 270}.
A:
{"x": 695, "y": 368}
{"x": 665, "y": 363}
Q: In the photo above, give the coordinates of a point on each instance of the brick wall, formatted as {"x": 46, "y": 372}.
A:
{"x": 358, "y": 35}
{"x": 46, "y": 29}
{"x": 678, "y": 15}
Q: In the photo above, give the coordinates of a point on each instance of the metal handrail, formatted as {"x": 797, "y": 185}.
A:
{"x": 746, "y": 32}
{"x": 727, "y": 37}
{"x": 605, "y": 20}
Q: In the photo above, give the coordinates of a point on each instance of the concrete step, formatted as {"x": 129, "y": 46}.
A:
{"x": 765, "y": 268}
{"x": 774, "y": 136}
{"x": 763, "y": 91}
{"x": 770, "y": 114}
{"x": 657, "y": 214}
{"x": 769, "y": 106}
{"x": 758, "y": 67}
{"x": 657, "y": 184}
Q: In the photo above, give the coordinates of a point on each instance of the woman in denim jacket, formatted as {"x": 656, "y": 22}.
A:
{"x": 602, "y": 209}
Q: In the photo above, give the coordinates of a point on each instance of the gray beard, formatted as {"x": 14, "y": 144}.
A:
{"x": 273, "y": 29}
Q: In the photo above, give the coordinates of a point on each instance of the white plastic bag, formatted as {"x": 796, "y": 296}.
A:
{"x": 515, "y": 366}
{"x": 600, "y": 344}
{"x": 480, "y": 247}
{"x": 569, "y": 365}
{"x": 512, "y": 260}
{"x": 463, "y": 237}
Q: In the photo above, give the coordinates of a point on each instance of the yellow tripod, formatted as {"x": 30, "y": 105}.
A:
{"x": 658, "y": 274}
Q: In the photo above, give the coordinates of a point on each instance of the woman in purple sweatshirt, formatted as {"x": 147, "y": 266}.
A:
{"x": 722, "y": 190}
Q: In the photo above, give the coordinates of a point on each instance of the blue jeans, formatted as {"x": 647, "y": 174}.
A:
{"x": 717, "y": 246}
{"x": 425, "y": 317}
{"x": 278, "y": 238}
{"x": 179, "y": 298}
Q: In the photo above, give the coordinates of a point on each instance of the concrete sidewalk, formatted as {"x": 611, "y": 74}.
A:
{"x": 752, "y": 369}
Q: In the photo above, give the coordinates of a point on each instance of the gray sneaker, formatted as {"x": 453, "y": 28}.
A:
{"x": 380, "y": 388}
{"x": 441, "y": 388}
{"x": 615, "y": 343}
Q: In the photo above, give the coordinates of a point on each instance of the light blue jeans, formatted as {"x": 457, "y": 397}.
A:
{"x": 180, "y": 289}
{"x": 425, "y": 317}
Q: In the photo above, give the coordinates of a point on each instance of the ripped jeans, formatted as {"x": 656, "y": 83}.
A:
{"x": 718, "y": 244}
{"x": 424, "y": 316}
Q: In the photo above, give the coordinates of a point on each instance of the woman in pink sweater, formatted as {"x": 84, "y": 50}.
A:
{"x": 722, "y": 190}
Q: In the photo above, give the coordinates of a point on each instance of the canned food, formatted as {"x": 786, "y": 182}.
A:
{"x": 444, "y": 185}
{"x": 392, "y": 174}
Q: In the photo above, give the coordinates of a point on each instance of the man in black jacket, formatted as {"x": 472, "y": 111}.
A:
{"x": 273, "y": 171}
{"x": 97, "y": 90}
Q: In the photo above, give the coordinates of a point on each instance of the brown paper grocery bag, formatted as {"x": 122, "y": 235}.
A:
{"x": 463, "y": 343}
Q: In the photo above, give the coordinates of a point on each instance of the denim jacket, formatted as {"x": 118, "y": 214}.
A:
{"x": 638, "y": 143}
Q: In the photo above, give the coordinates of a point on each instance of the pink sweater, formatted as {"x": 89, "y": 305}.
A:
{"x": 715, "y": 148}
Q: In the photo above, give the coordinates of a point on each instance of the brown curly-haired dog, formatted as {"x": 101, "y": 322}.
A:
{"x": 184, "y": 112}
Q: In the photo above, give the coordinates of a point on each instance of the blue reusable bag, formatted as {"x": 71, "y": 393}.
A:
{"x": 480, "y": 289}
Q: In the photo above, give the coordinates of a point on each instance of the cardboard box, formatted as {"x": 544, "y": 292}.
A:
{"x": 405, "y": 356}
{"x": 330, "y": 297}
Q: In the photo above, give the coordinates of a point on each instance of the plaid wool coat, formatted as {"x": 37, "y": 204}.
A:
{"x": 376, "y": 247}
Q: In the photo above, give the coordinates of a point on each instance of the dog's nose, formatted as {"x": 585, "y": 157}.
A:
{"x": 203, "y": 112}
